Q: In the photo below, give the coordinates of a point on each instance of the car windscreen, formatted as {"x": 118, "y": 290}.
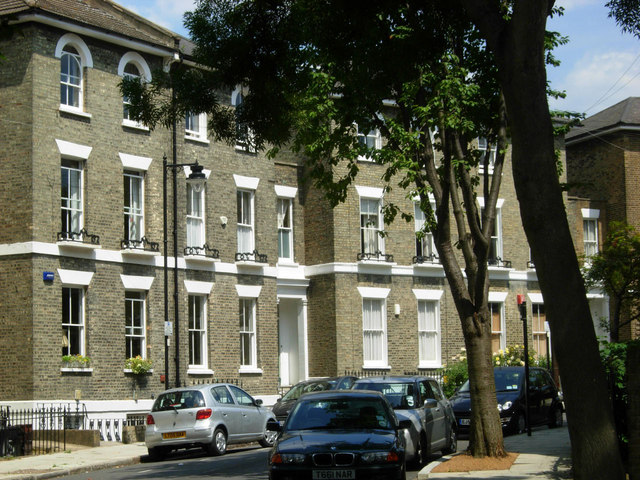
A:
{"x": 401, "y": 395}
{"x": 178, "y": 400}
{"x": 298, "y": 390}
{"x": 506, "y": 381}
{"x": 344, "y": 414}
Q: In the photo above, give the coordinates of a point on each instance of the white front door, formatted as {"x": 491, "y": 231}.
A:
{"x": 291, "y": 359}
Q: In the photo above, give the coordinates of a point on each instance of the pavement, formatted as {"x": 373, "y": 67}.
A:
{"x": 546, "y": 454}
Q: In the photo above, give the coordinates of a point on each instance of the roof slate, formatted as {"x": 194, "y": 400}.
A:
{"x": 624, "y": 113}
{"x": 103, "y": 14}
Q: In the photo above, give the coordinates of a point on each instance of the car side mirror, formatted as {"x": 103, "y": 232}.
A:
{"x": 430, "y": 403}
{"x": 274, "y": 426}
{"x": 258, "y": 402}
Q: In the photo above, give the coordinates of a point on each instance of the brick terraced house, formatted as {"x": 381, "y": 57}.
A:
{"x": 273, "y": 285}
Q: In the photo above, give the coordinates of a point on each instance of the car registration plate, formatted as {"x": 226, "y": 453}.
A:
{"x": 333, "y": 474}
{"x": 465, "y": 421}
{"x": 169, "y": 435}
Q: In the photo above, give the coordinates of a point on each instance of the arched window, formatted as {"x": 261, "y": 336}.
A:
{"x": 130, "y": 71}
{"x": 244, "y": 140}
{"x": 70, "y": 78}
{"x": 132, "y": 65}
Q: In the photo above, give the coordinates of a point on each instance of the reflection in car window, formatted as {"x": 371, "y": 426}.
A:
{"x": 400, "y": 395}
{"x": 222, "y": 395}
{"x": 242, "y": 397}
{"x": 178, "y": 400}
{"x": 506, "y": 381}
{"x": 435, "y": 389}
{"x": 301, "y": 389}
{"x": 339, "y": 414}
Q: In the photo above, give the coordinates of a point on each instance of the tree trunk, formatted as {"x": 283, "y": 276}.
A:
{"x": 520, "y": 56}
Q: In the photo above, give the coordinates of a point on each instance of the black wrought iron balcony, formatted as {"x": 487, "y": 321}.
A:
{"x": 203, "y": 251}
{"x": 420, "y": 259}
{"x": 142, "y": 245}
{"x": 81, "y": 237}
{"x": 251, "y": 257}
{"x": 498, "y": 262}
{"x": 375, "y": 257}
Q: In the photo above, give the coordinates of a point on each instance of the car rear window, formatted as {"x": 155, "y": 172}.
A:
{"x": 178, "y": 400}
{"x": 400, "y": 395}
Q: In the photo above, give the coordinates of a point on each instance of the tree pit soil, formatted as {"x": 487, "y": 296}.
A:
{"x": 464, "y": 462}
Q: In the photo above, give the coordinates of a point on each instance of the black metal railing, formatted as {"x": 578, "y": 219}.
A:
{"x": 203, "y": 251}
{"x": 143, "y": 244}
{"x": 375, "y": 257}
{"x": 436, "y": 373}
{"x": 251, "y": 257}
{"x": 206, "y": 381}
{"x": 420, "y": 259}
{"x": 82, "y": 237}
{"x": 498, "y": 262}
{"x": 38, "y": 430}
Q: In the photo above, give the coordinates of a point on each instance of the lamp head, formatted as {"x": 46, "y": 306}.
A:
{"x": 196, "y": 178}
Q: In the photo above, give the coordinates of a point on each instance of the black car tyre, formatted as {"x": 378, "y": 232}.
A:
{"x": 556, "y": 418}
{"x": 268, "y": 439}
{"x": 219, "y": 444}
{"x": 156, "y": 453}
{"x": 422, "y": 453}
{"x": 452, "y": 444}
{"x": 518, "y": 424}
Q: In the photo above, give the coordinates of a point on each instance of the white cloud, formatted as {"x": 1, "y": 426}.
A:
{"x": 599, "y": 80}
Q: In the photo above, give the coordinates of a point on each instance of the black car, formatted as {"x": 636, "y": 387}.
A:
{"x": 339, "y": 434}
{"x": 545, "y": 403}
{"x": 284, "y": 405}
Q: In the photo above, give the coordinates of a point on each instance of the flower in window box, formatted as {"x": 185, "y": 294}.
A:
{"x": 137, "y": 365}
{"x": 75, "y": 361}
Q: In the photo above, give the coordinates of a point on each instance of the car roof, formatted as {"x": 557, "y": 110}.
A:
{"x": 204, "y": 386}
{"x": 341, "y": 394}
{"x": 394, "y": 378}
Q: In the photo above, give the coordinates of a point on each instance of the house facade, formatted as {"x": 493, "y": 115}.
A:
{"x": 273, "y": 286}
{"x": 603, "y": 170}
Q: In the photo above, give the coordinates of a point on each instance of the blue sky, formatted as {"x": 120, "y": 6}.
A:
{"x": 600, "y": 66}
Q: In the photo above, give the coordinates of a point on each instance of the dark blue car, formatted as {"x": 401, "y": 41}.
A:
{"x": 545, "y": 403}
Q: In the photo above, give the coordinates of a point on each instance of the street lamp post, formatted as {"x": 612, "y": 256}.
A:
{"x": 196, "y": 179}
{"x": 522, "y": 304}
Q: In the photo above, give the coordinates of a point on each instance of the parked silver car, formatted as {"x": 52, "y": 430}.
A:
{"x": 420, "y": 400}
{"x": 207, "y": 416}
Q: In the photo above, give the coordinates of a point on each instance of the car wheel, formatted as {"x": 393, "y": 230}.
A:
{"x": 268, "y": 439}
{"x": 452, "y": 445}
{"x": 518, "y": 424}
{"x": 422, "y": 453}
{"x": 219, "y": 444}
{"x": 556, "y": 418}
{"x": 156, "y": 453}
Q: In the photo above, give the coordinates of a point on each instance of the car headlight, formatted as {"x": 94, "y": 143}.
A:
{"x": 505, "y": 406}
{"x": 287, "y": 458}
{"x": 379, "y": 457}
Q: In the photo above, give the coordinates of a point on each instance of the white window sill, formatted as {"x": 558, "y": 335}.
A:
{"x": 199, "y": 139}
{"x": 251, "y": 264}
{"x": 199, "y": 371}
{"x": 200, "y": 259}
{"x": 79, "y": 245}
{"x": 74, "y": 111}
{"x": 128, "y": 370}
{"x": 376, "y": 367}
{"x": 284, "y": 262}
{"x": 135, "y": 125}
{"x": 76, "y": 370}
{"x": 139, "y": 252}
{"x": 250, "y": 369}
{"x": 429, "y": 366}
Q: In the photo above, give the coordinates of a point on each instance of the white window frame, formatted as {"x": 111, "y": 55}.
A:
{"x": 429, "y": 298}
{"x": 368, "y": 195}
{"x": 372, "y": 140}
{"x": 71, "y": 205}
{"x": 245, "y": 206}
{"x": 134, "y": 215}
{"x": 195, "y": 220}
{"x": 482, "y": 147}
{"x": 426, "y": 246}
{"x": 590, "y": 242}
{"x": 198, "y": 333}
{"x": 284, "y": 210}
{"x": 67, "y": 324}
{"x": 538, "y": 335}
{"x": 498, "y": 299}
{"x": 248, "y": 332}
{"x": 237, "y": 97}
{"x": 195, "y": 127}
{"x": 84, "y": 60}
{"x": 135, "y": 333}
{"x": 372, "y": 298}
{"x": 144, "y": 74}
{"x": 496, "y": 237}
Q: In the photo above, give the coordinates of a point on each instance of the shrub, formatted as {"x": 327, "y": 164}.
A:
{"x": 138, "y": 365}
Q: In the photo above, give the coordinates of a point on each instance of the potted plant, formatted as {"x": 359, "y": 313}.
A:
{"x": 137, "y": 365}
{"x": 76, "y": 361}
